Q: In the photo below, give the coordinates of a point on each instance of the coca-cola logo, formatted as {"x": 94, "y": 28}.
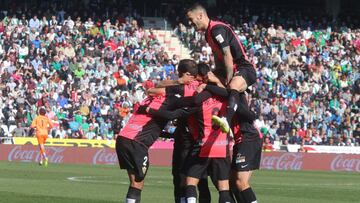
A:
{"x": 287, "y": 161}
{"x": 341, "y": 163}
{"x": 103, "y": 156}
{"x": 26, "y": 154}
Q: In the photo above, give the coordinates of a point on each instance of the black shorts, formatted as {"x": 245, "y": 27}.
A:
{"x": 180, "y": 154}
{"x": 247, "y": 155}
{"x": 132, "y": 157}
{"x": 200, "y": 167}
{"x": 248, "y": 73}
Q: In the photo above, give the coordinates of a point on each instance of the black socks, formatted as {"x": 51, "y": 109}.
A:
{"x": 233, "y": 101}
{"x": 133, "y": 195}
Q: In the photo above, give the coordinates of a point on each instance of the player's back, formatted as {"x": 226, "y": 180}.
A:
{"x": 42, "y": 125}
{"x": 143, "y": 128}
{"x": 214, "y": 141}
{"x": 220, "y": 35}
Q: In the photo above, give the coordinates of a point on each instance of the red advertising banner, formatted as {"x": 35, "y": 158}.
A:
{"x": 310, "y": 161}
{"x": 76, "y": 155}
{"x": 162, "y": 157}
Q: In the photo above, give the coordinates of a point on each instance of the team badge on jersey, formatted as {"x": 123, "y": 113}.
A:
{"x": 239, "y": 158}
{"x": 144, "y": 169}
{"x": 219, "y": 38}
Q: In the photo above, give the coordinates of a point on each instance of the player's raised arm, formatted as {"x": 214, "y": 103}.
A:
{"x": 156, "y": 91}
{"x": 166, "y": 91}
{"x": 185, "y": 79}
{"x": 170, "y": 115}
{"x": 228, "y": 62}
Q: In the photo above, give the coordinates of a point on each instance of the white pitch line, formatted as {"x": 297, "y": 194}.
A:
{"x": 97, "y": 179}
{"x": 94, "y": 179}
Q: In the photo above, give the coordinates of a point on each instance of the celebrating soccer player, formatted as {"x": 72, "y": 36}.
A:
{"x": 141, "y": 131}
{"x": 231, "y": 61}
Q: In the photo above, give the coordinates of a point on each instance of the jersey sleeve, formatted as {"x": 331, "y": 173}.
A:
{"x": 219, "y": 91}
{"x": 174, "y": 90}
{"x": 201, "y": 97}
{"x": 194, "y": 101}
{"x": 170, "y": 115}
{"x": 220, "y": 36}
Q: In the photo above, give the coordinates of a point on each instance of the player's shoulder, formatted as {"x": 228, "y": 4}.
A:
{"x": 218, "y": 25}
{"x": 219, "y": 28}
{"x": 220, "y": 32}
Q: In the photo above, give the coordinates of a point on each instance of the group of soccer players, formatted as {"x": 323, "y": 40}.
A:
{"x": 211, "y": 109}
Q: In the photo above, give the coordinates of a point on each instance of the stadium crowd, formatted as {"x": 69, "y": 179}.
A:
{"x": 306, "y": 75}
{"x": 90, "y": 74}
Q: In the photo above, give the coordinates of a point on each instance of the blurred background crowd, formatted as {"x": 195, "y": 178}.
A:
{"x": 90, "y": 70}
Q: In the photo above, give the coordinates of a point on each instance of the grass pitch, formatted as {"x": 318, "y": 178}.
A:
{"x": 30, "y": 183}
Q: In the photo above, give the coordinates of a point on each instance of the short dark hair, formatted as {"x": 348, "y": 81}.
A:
{"x": 196, "y": 6}
{"x": 187, "y": 65}
{"x": 42, "y": 111}
{"x": 203, "y": 69}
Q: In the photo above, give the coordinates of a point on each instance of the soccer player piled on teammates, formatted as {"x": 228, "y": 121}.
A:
{"x": 230, "y": 57}
{"x": 43, "y": 125}
{"x": 183, "y": 140}
{"x": 231, "y": 61}
{"x": 247, "y": 148}
{"x": 141, "y": 131}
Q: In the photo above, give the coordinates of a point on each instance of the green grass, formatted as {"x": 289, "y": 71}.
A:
{"x": 28, "y": 182}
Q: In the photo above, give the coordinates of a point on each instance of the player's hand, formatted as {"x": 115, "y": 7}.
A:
{"x": 212, "y": 78}
{"x": 200, "y": 88}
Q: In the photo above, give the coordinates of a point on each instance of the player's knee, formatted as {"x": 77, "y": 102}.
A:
{"x": 238, "y": 83}
{"x": 192, "y": 181}
{"x": 242, "y": 184}
{"x": 223, "y": 185}
{"x": 138, "y": 185}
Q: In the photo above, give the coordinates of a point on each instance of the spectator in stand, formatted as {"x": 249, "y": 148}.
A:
{"x": 19, "y": 131}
